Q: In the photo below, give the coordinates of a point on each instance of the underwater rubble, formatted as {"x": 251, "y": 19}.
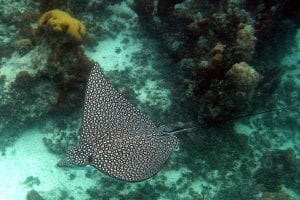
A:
{"x": 185, "y": 63}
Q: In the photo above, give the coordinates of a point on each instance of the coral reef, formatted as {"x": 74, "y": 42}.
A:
{"x": 231, "y": 40}
{"x": 241, "y": 192}
{"x": 52, "y": 68}
{"x": 278, "y": 167}
{"x": 221, "y": 71}
{"x": 280, "y": 195}
{"x": 63, "y": 134}
{"x": 144, "y": 9}
{"x": 190, "y": 63}
{"x": 242, "y": 80}
{"x": 67, "y": 66}
{"x": 166, "y": 7}
{"x": 24, "y": 46}
{"x": 31, "y": 181}
{"x": 46, "y": 5}
{"x": 271, "y": 18}
{"x": 33, "y": 195}
{"x": 245, "y": 42}
{"x": 21, "y": 108}
{"x": 61, "y": 22}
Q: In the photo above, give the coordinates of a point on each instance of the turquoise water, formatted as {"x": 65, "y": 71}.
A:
{"x": 229, "y": 69}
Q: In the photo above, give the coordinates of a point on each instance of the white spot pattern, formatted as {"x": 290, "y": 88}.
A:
{"x": 126, "y": 144}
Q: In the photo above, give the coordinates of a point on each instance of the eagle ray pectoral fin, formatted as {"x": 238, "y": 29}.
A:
{"x": 137, "y": 158}
{"x": 116, "y": 137}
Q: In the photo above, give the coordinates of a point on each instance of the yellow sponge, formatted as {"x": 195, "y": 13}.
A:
{"x": 60, "y": 21}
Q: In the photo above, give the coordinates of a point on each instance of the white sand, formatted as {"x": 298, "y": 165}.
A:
{"x": 105, "y": 54}
{"x": 30, "y": 157}
{"x": 151, "y": 93}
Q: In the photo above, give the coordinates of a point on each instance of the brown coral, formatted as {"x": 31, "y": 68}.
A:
{"x": 243, "y": 77}
{"x": 217, "y": 52}
{"x": 245, "y": 42}
{"x": 23, "y": 45}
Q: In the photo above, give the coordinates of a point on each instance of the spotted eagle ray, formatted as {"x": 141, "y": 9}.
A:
{"x": 116, "y": 137}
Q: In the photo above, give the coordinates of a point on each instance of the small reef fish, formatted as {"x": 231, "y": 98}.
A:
{"x": 116, "y": 137}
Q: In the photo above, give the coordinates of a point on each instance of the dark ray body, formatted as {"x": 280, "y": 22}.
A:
{"x": 116, "y": 137}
